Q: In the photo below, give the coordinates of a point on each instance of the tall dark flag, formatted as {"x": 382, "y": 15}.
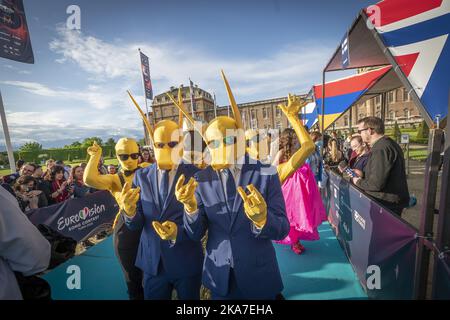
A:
{"x": 15, "y": 43}
{"x": 191, "y": 89}
{"x": 146, "y": 76}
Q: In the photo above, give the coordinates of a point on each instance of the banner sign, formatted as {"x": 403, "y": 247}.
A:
{"x": 145, "y": 66}
{"x": 15, "y": 43}
{"x": 79, "y": 218}
{"x": 380, "y": 246}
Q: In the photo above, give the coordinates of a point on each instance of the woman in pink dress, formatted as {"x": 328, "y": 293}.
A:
{"x": 304, "y": 206}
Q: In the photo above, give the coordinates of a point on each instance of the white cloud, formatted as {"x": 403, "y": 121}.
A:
{"x": 111, "y": 68}
{"x": 293, "y": 68}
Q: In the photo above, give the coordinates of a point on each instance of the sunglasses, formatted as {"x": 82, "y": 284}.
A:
{"x": 214, "y": 144}
{"x": 359, "y": 131}
{"x": 171, "y": 144}
{"x": 124, "y": 157}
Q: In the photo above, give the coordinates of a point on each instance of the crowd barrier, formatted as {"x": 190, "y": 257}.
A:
{"x": 79, "y": 218}
{"x": 380, "y": 246}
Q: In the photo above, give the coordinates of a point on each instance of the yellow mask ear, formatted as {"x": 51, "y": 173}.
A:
{"x": 234, "y": 107}
{"x": 144, "y": 118}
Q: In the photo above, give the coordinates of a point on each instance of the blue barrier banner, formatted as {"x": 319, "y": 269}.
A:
{"x": 442, "y": 290}
{"x": 380, "y": 246}
{"x": 79, "y": 218}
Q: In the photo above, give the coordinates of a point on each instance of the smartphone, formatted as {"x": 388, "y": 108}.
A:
{"x": 350, "y": 172}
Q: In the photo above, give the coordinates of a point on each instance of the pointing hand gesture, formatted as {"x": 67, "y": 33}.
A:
{"x": 94, "y": 149}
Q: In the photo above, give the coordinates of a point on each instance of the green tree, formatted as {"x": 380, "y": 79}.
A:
{"x": 110, "y": 142}
{"x": 90, "y": 141}
{"x": 31, "y": 146}
{"x": 397, "y": 132}
{"x": 75, "y": 144}
{"x": 423, "y": 131}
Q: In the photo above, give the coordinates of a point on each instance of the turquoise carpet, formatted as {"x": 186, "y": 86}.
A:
{"x": 322, "y": 272}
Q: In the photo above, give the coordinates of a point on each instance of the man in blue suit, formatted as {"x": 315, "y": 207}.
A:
{"x": 240, "y": 261}
{"x": 168, "y": 257}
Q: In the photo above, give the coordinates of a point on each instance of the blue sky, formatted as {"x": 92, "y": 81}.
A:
{"x": 77, "y": 86}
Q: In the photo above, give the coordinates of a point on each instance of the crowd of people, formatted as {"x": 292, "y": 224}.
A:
{"x": 37, "y": 186}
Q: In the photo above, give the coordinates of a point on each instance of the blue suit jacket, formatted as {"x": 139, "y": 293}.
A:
{"x": 232, "y": 237}
{"x": 185, "y": 257}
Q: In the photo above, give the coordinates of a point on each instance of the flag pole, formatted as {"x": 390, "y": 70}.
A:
{"x": 146, "y": 137}
{"x": 12, "y": 163}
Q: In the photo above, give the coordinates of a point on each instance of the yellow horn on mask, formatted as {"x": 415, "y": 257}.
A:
{"x": 234, "y": 107}
{"x": 144, "y": 118}
{"x": 186, "y": 113}
{"x": 180, "y": 113}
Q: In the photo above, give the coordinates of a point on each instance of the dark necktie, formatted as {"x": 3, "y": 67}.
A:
{"x": 230, "y": 188}
{"x": 164, "y": 186}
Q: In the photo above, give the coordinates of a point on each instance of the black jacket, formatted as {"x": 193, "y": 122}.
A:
{"x": 384, "y": 175}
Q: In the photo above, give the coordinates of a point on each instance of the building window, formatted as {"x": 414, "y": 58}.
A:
{"x": 405, "y": 95}
{"x": 278, "y": 125}
{"x": 378, "y": 114}
{"x": 392, "y": 115}
{"x": 253, "y": 116}
{"x": 345, "y": 120}
{"x": 278, "y": 112}
{"x": 378, "y": 101}
{"x": 406, "y": 113}
{"x": 265, "y": 113}
{"x": 392, "y": 96}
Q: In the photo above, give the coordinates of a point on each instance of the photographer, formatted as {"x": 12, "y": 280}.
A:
{"x": 28, "y": 197}
{"x": 61, "y": 189}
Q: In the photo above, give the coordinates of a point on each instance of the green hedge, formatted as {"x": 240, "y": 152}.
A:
{"x": 69, "y": 154}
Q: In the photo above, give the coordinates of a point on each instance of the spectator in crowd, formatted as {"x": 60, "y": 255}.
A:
{"x": 60, "y": 187}
{"x": 83, "y": 165}
{"x": 28, "y": 197}
{"x": 315, "y": 159}
{"x": 361, "y": 155}
{"x": 27, "y": 169}
{"x": 19, "y": 164}
{"x": 146, "y": 156}
{"x": 112, "y": 169}
{"x": 22, "y": 248}
{"x": 333, "y": 154}
{"x": 346, "y": 148}
{"x": 80, "y": 189}
{"x": 67, "y": 169}
{"x": 42, "y": 184}
{"x": 384, "y": 174}
{"x": 101, "y": 167}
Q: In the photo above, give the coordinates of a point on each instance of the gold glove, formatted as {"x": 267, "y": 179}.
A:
{"x": 255, "y": 206}
{"x": 94, "y": 149}
{"x": 166, "y": 230}
{"x": 128, "y": 199}
{"x": 293, "y": 107}
{"x": 185, "y": 193}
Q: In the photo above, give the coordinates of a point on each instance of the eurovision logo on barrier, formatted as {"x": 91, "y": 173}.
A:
{"x": 80, "y": 218}
{"x": 15, "y": 43}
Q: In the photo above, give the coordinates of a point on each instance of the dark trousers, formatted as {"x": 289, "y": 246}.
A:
{"x": 160, "y": 287}
{"x": 126, "y": 243}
